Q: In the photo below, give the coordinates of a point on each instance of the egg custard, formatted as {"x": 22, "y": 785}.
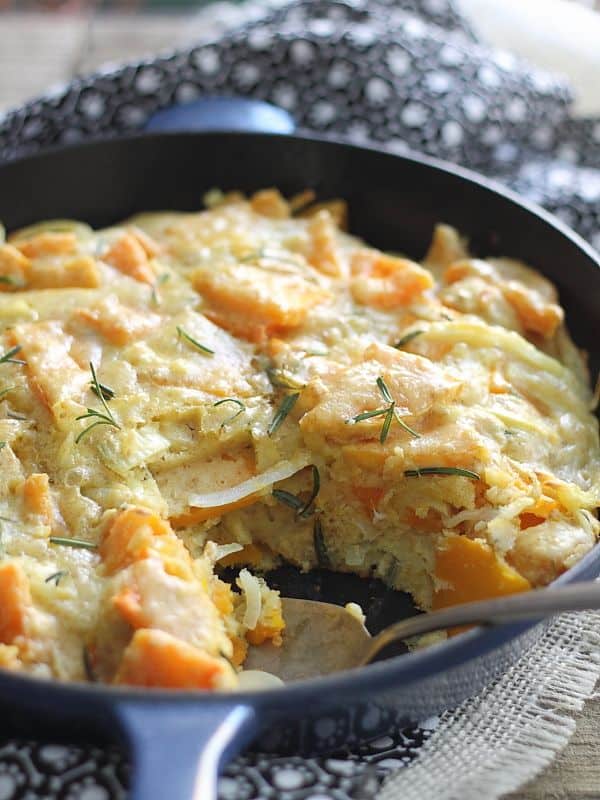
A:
{"x": 250, "y": 384}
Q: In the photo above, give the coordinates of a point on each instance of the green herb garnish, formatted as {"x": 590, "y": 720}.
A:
{"x": 203, "y": 349}
{"x": 2, "y": 444}
{"x": 301, "y": 507}
{"x": 102, "y": 391}
{"x": 87, "y": 665}
{"x": 288, "y": 499}
{"x": 8, "y": 280}
{"x": 240, "y": 410}
{"x": 7, "y": 358}
{"x": 162, "y": 279}
{"x": 4, "y": 392}
{"x": 281, "y": 378}
{"x": 465, "y": 473}
{"x": 92, "y": 413}
{"x": 407, "y": 338}
{"x": 77, "y": 543}
{"x": 284, "y": 409}
{"x": 390, "y": 412}
{"x": 323, "y": 559}
{"x": 56, "y": 576}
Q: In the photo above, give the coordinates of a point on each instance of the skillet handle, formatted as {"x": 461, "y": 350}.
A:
{"x": 178, "y": 748}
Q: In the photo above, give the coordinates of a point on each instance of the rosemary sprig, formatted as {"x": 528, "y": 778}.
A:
{"x": 389, "y": 412}
{"x": 323, "y": 559}
{"x": 284, "y": 409}
{"x": 408, "y": 337}
{"x": 281, "y": 379}
{"x": 7, "y": 358}
{"x": 465, "y": 473}
{"x": 203, "y": 349}
{"x": 103, "y": 391}
{"x": 240, "y": 410}
{"x": 160, "y": 281}
{"x": 302, "y": 508}
{"x": 2, "y": 444}
{"x": 77, "y": 543}
{"x": 56, "y": 576}
{"x": 92, "y": 413}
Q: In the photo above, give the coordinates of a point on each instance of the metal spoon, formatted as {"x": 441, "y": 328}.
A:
{"x": 321, "y": 638}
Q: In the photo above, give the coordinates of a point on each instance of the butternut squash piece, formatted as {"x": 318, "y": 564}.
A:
{"x": 37, "y": 499}
{"x": 324, "y": 253}
{"x": 128, "y": 255}
{"x": 195, "y": 515}
{"x": 14, "y": 268}
{"x": 157, "y": 659}
{"x": 117, "y": 323}
{"x": 386, "y": 281}
{"x": 49, "y": 243}
{"x": 135, "y": 534}
{"x": 15, "y": 601}
{"x": 270, "y": 203}
{"x": 470, "y": 570}
{"x": 79, "y": 272}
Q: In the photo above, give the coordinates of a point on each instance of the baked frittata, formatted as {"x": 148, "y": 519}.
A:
{"x": 250, "y": 384}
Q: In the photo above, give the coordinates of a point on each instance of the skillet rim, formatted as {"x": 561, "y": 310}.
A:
{"x": 412, "y": 667}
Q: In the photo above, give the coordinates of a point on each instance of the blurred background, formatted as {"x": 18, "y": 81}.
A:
{"x": 48, "y": 42}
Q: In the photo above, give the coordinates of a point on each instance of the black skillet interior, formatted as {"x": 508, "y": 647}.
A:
{"x": 394, "y": 204}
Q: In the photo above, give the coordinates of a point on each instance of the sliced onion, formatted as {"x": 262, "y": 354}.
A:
{"x": 219, "y": 551}
{"x": 259, "y": 483}
{"x": 255, "y": 679}
{"x": 80, "y": 229}
{"x": 250, "y": 586}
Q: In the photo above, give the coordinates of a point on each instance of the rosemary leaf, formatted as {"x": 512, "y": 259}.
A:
{"x": 77, "y": 543}
{"x": 379, "y": 412}
{"x": 385, "y": 428}
{"x": 87, "y": 665}
{"x": 323, "y": 559}
{"x": 7, "y": 358}
{"x": 305, "y": 510}
{"x": 385, "y": 392}
{"x": 162, "y": 279}
{"x": 408, "y": 337}
{"x": 56, "y": 576}
{"x": 239, "y": 403}
{"x": 92, "y": 413}
{"x": 2, "y": 444}
{"x": 102, "y": 391}
{"x": 403, "y": 424}
{"x": 284, "y": 409}
{"x": 203, "y": 349}
{"x": 8, "y": 280}
{"x": 279, "y": 378}
{"x": 288, "y": 499}
{"x": 465, "y": 473}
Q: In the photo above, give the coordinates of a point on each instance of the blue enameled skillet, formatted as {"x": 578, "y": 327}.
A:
{"x": 178, "y": 740}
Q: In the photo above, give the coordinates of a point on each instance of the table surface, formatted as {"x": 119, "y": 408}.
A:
{"x": 39, "y": 50}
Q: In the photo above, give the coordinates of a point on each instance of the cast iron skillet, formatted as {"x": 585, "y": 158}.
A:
{"x": 178, "y": 740}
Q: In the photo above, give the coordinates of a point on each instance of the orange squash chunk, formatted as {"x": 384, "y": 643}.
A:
{"x": 473, "y": 572}
{"x": 14, "y": 267}
{"x": 338, "y": 210}
{"x": 135, "y": 534}
{"x": 270, "y": 203}
{"x": 369, "y": 496}
{"x": 386, "y": 281}
{"x": 15, "y": 600}
{"x": 128, "y": 603}
{"x": 127, "y": 254}
{"x": 53, "y": 373}
{"x": 117, "y": 323}
{"x": 37, "y": 498}
{"x": 50, "y": 243}
{"x": 536, "y": 315}
{"x": 324, "y": 253}
{"x": 253, "y": 302}
{"x": 157, "y": 659}
{"x": 79, "y": 272}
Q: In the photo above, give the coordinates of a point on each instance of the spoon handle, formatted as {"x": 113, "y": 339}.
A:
{"x": 526, "y": 605}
